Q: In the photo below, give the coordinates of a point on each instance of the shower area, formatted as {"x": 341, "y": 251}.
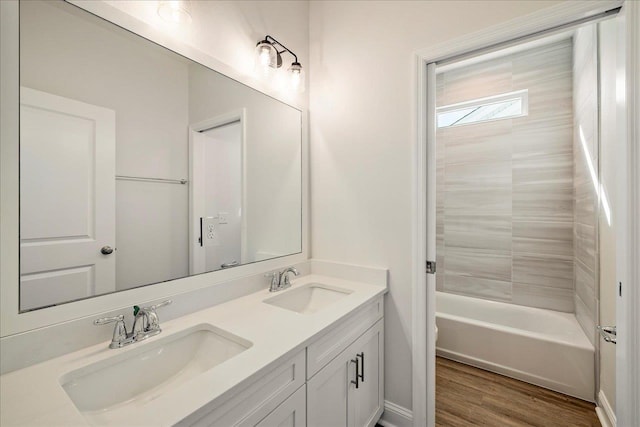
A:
{"x": 519, "y": 202}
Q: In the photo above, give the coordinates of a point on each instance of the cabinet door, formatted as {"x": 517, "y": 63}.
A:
{"x": 291, "y": 413}
{"x": 329, "y": 391}
{"x": 332, "y": 397}
{"x": 366, "y": 401}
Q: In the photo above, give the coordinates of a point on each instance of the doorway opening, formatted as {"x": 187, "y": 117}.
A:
{"x": 520, "y": 201}
{"x": 519, "y": 194}
{"x": 217, "y": 196}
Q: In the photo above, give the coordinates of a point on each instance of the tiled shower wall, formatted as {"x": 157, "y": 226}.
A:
{"x": 505, "y": 210}
{"x": 585, "y": 146}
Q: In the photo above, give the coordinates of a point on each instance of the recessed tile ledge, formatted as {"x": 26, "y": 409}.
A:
{"x": 34, "y": 396}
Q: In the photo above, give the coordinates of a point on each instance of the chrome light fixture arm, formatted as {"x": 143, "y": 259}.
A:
{"x": 275, "y": 43}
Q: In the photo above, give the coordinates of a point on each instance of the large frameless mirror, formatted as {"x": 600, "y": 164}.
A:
{"x": 138, "y": 165}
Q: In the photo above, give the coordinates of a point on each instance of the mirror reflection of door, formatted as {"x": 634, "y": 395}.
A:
{"x": 67, "y": 199}
{"x": 217, "y": 196}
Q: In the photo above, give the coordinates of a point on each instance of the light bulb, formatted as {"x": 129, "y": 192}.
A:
{"x": 264, "y": 57}
{"x": 174, "y": 11}
{"x": 296, "y": 76}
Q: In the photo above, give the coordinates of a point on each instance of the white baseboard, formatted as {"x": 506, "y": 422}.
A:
{"x": 395, "y": 416}
{"x": 604, "y": 411}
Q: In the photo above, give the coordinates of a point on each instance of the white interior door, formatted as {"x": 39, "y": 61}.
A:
{"x": 608, "y": 168}
{"x": 67, "y": 199}
{"x": 619, "y": 392}
{"x": 625, "y": 217}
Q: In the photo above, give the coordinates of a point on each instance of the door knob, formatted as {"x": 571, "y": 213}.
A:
{"x": 106, "y": 250}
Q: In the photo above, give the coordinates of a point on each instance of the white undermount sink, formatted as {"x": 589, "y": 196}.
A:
{"x": 309, "y": 298}
{"x": 142, "y": 374}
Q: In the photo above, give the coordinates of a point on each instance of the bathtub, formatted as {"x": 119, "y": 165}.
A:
{"x": 542, "y": 347}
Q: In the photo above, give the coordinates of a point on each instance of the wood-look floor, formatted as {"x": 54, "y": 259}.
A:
{"x": 468, "y": 396}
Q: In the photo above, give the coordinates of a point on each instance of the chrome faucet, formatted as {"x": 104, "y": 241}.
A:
{"x": 280, "y": 280}
{"x": 284, "y": 277}
{"x": 145, "y": 324}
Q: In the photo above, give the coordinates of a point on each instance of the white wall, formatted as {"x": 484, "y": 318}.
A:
{"x": 362, "y": 76}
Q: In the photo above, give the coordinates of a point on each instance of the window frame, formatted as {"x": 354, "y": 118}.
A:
{"x": 522, "y": 95}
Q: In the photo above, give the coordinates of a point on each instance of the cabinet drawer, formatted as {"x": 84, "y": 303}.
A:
{"x": 333, "y": 342}
{"x": 291, "y": 413}
{"x": 255, "y": 400}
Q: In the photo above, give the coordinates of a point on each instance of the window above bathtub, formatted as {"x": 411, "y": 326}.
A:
{"x": 504, "y": 106}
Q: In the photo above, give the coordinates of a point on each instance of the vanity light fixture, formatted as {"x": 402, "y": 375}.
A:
{"x": 175, "y": 11}
{"x": 269, "y": 57}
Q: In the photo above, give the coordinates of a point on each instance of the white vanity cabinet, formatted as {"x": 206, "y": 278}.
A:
{"x": 348, "y": 391}
{"x": 344, "y": 372}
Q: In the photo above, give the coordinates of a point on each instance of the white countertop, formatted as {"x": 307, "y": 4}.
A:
{"x": 34, "y": 395}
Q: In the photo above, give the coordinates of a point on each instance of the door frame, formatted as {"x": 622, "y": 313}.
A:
{"x": 239, "y": 115}
{"x": 423, "y": 177}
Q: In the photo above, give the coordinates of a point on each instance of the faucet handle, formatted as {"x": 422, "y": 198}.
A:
{"x": 119, "y": 332}
{"x": 106, "y": 320}
{"x": 157, "y": 306}
{"x": 275, "y": 280}
{"x": 152, "y": 317}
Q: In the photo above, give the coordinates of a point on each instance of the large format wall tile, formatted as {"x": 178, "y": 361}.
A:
{"x": 478, "y": 143}
{"x": 543, "y": 270}
{"x": 478, "y": 287}
{"x": 544, "y": 237}
{"x": 540, "y": 202}
{"x": 585, "y": 146}
{"x": 585, "y": 318}
{"x": 543, "y": 297}
{"x": 585, "y": 286}
{"x": 475, "y": 81}
{"x": 491, "y": 232}
{"x": 505, "y": 189}
{"x": 585, "y": 236}
{"x": 440, "y": 156}
{"x": 585, "y": 209}
{"x": 477, "y": 263}
{"x": 480, "y": 202}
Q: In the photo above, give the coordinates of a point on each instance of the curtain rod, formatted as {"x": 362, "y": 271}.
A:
{"x": 144, "y": 179}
